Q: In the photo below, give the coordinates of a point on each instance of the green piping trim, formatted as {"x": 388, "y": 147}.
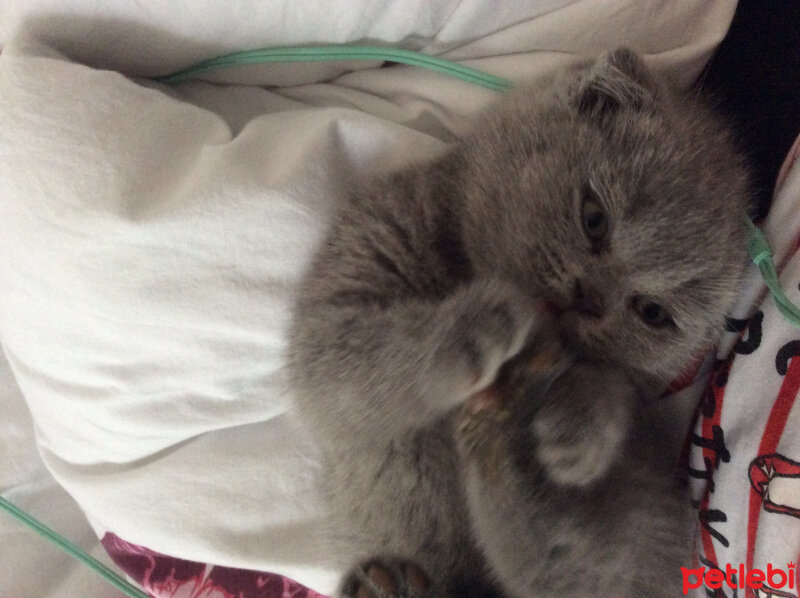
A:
{"x": 341, "y": 52}
{"x": 761, "y": 255}
{"x": 110, "y": 576}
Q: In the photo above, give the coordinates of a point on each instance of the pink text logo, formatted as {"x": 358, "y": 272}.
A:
{"x": 773, "y": 578}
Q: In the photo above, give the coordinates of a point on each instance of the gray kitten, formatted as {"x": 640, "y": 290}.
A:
{"x": 474, "y": 341}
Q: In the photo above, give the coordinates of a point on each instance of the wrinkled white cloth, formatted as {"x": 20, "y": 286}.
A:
{"x": 151, "y": 237}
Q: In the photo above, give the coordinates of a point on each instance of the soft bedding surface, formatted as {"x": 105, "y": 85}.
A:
{"x": 151, "y": 236}
{"x": 29, "y": 567}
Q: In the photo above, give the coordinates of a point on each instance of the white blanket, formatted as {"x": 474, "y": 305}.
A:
{"x": 151, "y": 237}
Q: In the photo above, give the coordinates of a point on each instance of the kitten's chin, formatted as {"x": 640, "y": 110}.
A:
{"x": 553, "y": 309}
{"x": 569, "y": 331}
{"x": 572, "y": 330}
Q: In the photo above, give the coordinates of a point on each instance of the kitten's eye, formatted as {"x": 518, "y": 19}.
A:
{"x": 594, "y": 218}
{"x": 651, "y": 312}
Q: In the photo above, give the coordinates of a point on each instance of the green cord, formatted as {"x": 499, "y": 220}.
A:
{"x": 72, "y": 550}
{"x": 337, "y": 52}
{"x": 761, "y": 254}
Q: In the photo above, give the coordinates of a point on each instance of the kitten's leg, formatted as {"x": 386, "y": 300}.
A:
{"x": 581, "y": 422}
{"x": 554, "y": 521}
{"x": 375, "y": 372}
{"x": 377, "y": 382}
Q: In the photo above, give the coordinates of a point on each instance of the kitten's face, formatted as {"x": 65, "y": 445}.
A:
{"x": 620, "y": 207}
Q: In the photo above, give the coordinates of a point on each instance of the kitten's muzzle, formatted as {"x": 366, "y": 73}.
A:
{"x": 588, "y": 301}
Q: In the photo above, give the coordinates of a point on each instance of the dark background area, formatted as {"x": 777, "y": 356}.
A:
{"x": 754, "y": 80}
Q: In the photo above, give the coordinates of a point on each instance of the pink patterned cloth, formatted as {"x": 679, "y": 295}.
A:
{"x": 163, "y": 576}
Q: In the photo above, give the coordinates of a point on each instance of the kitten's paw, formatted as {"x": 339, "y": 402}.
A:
{"x": 386, "y": 578}
{"x": 488, "y": 323}
{"x": 492, "y": 417}
{"x": 581, "y": 425}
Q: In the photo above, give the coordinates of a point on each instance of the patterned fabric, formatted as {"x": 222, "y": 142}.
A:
{"x": 745, "y": 453}
{"x": 164, "y": 576}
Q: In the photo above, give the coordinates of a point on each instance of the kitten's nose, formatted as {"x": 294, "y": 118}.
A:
{"x": 588, "y": 300}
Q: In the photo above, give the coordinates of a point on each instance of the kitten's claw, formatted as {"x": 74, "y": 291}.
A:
{"x": 386, "y": 578}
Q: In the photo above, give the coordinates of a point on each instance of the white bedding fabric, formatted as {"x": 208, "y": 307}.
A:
{"x": 30, "y": 567}
{"x": 151, "y": 237}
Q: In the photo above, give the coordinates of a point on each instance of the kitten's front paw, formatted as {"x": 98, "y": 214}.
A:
{"x": 386, "y": 578}
{"x": 492, "y": 417}
{"x": 581, "y": 425}
{"x": 488, "y": 323}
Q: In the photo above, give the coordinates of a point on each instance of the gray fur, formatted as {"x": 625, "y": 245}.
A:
{"x": 428, "y": 293}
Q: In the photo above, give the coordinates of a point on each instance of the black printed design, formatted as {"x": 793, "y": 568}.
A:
{"x": 753, "y": 341}
{"x": 784, "y": 356}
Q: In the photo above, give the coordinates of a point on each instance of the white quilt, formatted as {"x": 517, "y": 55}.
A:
{"x": 151, "y": 236}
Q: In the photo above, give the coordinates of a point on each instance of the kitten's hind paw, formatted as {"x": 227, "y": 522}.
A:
{"x": 386, "y": 578}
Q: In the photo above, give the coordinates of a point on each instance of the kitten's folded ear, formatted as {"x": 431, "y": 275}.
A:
{"x": 618, "y": 80}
